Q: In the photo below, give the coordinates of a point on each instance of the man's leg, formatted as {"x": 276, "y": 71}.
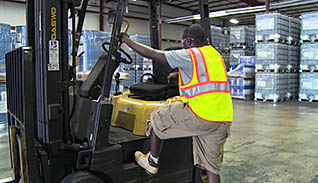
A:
{"x": 213, "y": 178}
{"x": 155, "y": 144}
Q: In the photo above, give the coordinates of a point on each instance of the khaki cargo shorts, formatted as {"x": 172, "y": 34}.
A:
{"x": 176, "y": 120}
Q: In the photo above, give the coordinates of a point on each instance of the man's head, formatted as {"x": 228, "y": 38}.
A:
{"x": 194, "y": 35}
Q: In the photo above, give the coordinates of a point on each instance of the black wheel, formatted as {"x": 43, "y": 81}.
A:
{"x": 129, "y": 60}
{"x": 83, "y": 177}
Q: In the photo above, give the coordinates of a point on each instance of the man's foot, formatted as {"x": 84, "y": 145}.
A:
{"x": 146, "y": 163}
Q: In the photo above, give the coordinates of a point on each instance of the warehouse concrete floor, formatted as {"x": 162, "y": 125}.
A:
{"x": 276, "y": 144}
{"x": 268, "y": 144}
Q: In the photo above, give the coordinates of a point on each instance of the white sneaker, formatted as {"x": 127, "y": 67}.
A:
{"x": 143, "y": 161}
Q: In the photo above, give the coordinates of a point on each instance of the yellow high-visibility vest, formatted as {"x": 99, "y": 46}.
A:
{"x": 207, "y": 93}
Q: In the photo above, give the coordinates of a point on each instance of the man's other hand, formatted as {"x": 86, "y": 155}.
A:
{"x": 172, "y": 75}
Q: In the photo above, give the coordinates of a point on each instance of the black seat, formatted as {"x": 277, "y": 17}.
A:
{"x": 149, "y": 88}
{"x": 157, "y": 87}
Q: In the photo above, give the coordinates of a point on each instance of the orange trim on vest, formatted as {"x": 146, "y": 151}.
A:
{"x": 202, "y": 93}
{"x": 207, "y": 119}
{"x": 203, "y": 83}
{"x": 205, "y": 66}
{"x": 196, "y": 63}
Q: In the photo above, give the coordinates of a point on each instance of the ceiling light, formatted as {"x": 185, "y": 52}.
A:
{"x": 234, "y": 21}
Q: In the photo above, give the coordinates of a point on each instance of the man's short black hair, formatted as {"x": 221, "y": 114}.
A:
{"x": 196, "y": 32}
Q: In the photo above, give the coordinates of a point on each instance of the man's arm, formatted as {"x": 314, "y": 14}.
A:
{"x": 148, "y": 52}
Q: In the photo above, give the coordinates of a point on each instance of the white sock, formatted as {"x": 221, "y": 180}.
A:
{"x": 155, "y": 160}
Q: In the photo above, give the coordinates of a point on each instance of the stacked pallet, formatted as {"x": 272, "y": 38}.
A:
{"x": 309, "y": 57}
{"x": 5, "y": 46}
{"x": 277, "y": 50}
{"x": 91, "y": 42}
{"x": 242, "y": 78}
{"x": 241, "y": 43}
{"x": 220, "y": 38}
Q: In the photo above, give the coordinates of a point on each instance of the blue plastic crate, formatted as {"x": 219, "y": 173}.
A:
{"x": 242, "y": 92}
{"x": 241, "y": 82}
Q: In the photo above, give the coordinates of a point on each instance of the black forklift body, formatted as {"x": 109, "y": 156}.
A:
{"x": 58, "y": 137}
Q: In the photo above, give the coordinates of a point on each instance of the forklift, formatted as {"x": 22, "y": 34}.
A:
{"x": 60, "y": 135}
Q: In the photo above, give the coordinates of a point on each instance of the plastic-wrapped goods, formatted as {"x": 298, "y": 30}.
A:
{"x": 308, "y": 87}
{"x": 241, "y": 82}
{"x": 271, "y": 86}
{"x": 309, "y": 57}
{"x": 14, "y": 37}
{"x": 5, "y": 44}
{"x": 242, "y": 70}
{"x": 242, "y": 36}
{"x": 271, "y": 57}
{"x": 143, "y": 39}
{"x": 272, "y": 27}
{"x": 246, "y": 92}
{"x": 91, "y": 43}
{"x": 217, "y": 37}
{"x": 226, "y": 59}
{"x": 309, "y": 26}
{"x": 140, "y": 64}
{"x": 242, "y": 88}
{"x": 236, "y": 54}
{"x": 21, "y": 36}
{"x": 225, "y": 44}
{"x": 247, "y": 60}
{"x": 294, "y": 30}
{"x": 293, "y": 57}
{"x": 3, "y": 107}
{"x": 293, "y": 85}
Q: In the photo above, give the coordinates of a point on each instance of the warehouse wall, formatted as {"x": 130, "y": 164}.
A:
{"x": 12, "y": 13}
{"x": 15, "y": 14}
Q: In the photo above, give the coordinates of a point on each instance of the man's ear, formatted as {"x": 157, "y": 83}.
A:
{"x": 188, "y": 41}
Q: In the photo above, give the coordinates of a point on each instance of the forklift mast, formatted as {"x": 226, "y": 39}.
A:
{"x": 45, "y": 123}
{"x": 58, "y": 137}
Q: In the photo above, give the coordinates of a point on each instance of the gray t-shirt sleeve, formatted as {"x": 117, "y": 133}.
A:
{"x": 179, "y": 59}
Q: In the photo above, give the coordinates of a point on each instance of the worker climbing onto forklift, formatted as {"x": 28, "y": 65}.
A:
{"x": 205, "y": 109}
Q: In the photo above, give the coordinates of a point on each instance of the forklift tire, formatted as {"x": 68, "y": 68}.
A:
{"x": 82, "y": 177}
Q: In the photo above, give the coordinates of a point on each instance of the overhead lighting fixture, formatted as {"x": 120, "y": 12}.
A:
{"x": 234, "y": 21}
{"x": 254, "y": 9}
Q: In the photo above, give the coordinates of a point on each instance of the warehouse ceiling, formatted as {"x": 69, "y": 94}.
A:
{"x": 179, "y": 8}
{"x": 189, "y": 7}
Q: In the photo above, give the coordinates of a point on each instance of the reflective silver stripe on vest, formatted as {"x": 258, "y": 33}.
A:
{"x": 201, "y": 65}
{"x": 212, "y": 87}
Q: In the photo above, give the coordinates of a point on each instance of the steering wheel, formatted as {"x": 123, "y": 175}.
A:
{"x": 120, "y": 59}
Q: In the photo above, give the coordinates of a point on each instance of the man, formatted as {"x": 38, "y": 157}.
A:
{"x": 205, "y": 111}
